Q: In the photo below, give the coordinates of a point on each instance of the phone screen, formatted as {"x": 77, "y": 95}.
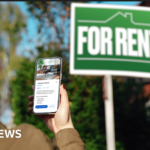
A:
{"x": 47, "y": 83}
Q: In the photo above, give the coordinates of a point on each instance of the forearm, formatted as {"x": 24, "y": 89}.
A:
{"x": 69, "y": 139}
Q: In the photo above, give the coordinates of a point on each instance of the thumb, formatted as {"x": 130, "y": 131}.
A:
{"x": 64, "y": 97}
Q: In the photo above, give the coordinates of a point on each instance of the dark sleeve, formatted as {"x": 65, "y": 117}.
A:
{"x": 69, "y": 139}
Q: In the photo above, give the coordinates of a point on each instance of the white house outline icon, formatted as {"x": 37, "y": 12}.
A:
{"x": 118, "y": 13}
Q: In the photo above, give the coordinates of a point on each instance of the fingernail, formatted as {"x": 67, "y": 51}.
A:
{"x": 64, "y": 86}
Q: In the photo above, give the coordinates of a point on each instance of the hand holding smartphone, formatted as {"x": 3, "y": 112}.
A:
{"x": 62, "y": 118}
{"x": 48, "y": 74}
{"x": 49, "y": 97}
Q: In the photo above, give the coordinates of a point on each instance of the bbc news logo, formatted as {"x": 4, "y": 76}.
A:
{"x": 10, "y": 133}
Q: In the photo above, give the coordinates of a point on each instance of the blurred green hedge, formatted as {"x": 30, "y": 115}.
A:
{"x": 87, "y": 107}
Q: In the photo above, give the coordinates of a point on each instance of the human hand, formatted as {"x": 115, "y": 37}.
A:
{"x": 62, "y": 118}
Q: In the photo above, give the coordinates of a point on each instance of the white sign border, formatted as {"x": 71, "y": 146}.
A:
{"x": 100, "y": 72}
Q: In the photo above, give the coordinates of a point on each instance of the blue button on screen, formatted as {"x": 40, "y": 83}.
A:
{"x": 41, "y": 106}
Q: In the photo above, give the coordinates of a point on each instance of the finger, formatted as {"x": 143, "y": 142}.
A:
{"x": 30, "y": 98}
{"x": 64, "y": 96}
{"x": 30, "y": 110}
{"x": 33, "y": 87}
{"x": 43, "y": 117}
{"x": 30, "y": 104}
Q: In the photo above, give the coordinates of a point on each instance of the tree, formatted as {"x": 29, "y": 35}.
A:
{"x": 85, "y": 95}
{"x": 12, "y": 22}
{"x": 54, "y": 22}
{"x": 87, "y": 107}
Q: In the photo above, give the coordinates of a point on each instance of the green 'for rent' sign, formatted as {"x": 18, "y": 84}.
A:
{"x": 110, "y": 39}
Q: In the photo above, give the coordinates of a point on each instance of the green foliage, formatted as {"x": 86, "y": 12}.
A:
{"x": 87, "y": 107}
{"x": 131, "y": 122}
{"x": 85, "y": 97}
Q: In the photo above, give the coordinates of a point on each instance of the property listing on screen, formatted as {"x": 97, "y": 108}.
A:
{"x": 47, "y": 85}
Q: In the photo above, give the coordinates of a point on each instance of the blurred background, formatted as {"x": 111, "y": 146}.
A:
{"x": 30, "y": 30}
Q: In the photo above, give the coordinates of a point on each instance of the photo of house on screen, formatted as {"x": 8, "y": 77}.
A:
{"x": 48, "y": 69}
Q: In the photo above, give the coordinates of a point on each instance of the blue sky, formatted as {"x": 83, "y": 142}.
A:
{"x": 31, "y": 30}
{"x": 32, "y": 34}
{"x": 24, "y": 46}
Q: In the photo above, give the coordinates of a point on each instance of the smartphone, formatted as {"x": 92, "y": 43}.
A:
{"x": 48, "y": 75}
